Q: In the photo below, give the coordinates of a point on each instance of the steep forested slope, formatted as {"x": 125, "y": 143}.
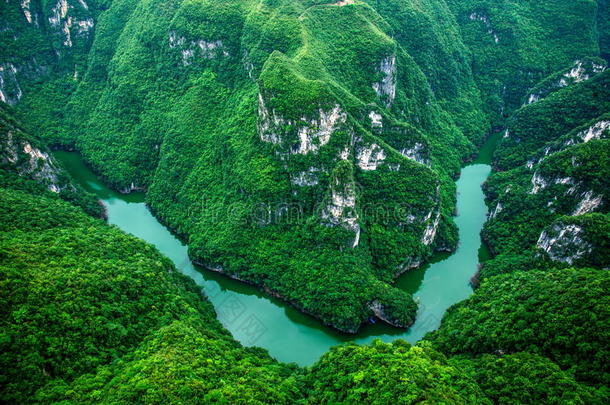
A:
{"x": 525, "y": 378}
{"x": 561, "y": 314}
{"x": 43, "y": 52}
{"x": 548, "y": 212}
{"x": 304, "y": 146}
{"x": 515, "y": 44}
{"x": 25, "y": 163}
{"x": 307, "y": 147}
{"x": 84, "y": 303}
{"x": 269, "y": 134}
{"x": 94, "y": 315}
{"x": 550, "y": 204}
{"x": 309, "y": 110}
{"x": 389, "y": 373}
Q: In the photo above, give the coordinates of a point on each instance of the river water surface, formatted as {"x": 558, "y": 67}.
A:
{"x": 290, "y": 336}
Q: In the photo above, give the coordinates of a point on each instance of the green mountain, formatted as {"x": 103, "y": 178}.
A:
{"x": 550, "y": 207}
{"x": 88, "y": 308}
{"x": 309, "y": 148}
{"x": 281, "y": 138}
{"x": 516, "y": 44}
{"x": 26, "y": 163}
{"x": 560, "y": 314}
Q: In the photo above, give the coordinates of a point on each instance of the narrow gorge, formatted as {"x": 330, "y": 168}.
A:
{"x": 256, "y": 320}
{"x": 305, "y": 201}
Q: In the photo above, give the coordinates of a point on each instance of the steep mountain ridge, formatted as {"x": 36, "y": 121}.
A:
{"x": 517, "y": 44}
{"x": 267, "y": 133}
{"x": 95, "y": 315}
{"x": 334, "y": 107}
{"x": 283, "y": 138}
{"x": 26, "y": 163}
{"x": 556, "y": 153}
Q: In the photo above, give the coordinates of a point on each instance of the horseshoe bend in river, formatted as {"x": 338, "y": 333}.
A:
{"x": 289, "y": 335}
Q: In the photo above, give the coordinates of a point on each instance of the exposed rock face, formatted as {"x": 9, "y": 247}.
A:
{"x": 85, "y": 25}
{"x": 41, "y": 167}
{"x": 370, "y": 157}
{"x": 380, "y": 312}
{"x": 61, "y": 18}
{"x": 376, "y": 120}
{"x": 27, "y": 164}
{"x": 344, "y": 154}
{"x": 564, "y": 243}
{"x": 269, "y": 123}
{"x": 598, "y": 130}
{"x": 539, "y": 183}
{"x": 533, "y": 98}
{"x": 581, "y": 71}
{"x": 386, "y": 88}
{"x": 31, "y": 162}
{"x": 306, "y": 135}
{"x": 197, "y": 48}
{"x": 595, "y": 131}
{"x": 486, "y": 21}
{"x": 342, "y": 3}
{"x": 547, "y": 151}
{"x": 25, "y": 6}
{"x": 59, "y": 30}
{"x": 493, "y": 213}
{"x": 306, "y": 178}
{"x": 60, "y": 12}
{"x": 10, "y": 91}
{"x": 589, "y": 203}
{"x": 317, "y": 132}
{"x": 433, "y": 220}
{"x": 132, "y": 187}
{"x": 417, "y": 153}
{"x": 311, "y": 119}
{"x": 341, "y": 209}
{"x": 311, "y": 133}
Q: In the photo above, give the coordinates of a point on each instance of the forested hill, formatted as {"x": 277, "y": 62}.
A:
{"x": 284, "y": 137}
{"x": 91, "y": 314}
{"x": 309, "y": 147}
{"x": 26, "y": 163}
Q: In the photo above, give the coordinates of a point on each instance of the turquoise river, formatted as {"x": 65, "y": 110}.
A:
{"x": 290, "y": 336}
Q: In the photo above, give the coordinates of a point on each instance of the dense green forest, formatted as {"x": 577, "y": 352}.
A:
{"x": 95, "y": 315}
{"x": 550, "y": 208}
{"x": 26, "y": 164}
{"x": 266, "y": 133}
{"x": 281, "y": 137}
{"x": 89, "y": 312}
{"x": 310, "y": 148}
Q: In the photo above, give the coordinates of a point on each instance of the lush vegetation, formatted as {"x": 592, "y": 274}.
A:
{"x": 171, "y": 90}
{"x": 26, "y": 164}
{"x": 561, "y": 314}
{"x": 535, "y": 330}
{"x": 92, "y": 314}
{"x": 308, "y": 147}
{"x": 525, "y": 378}
{"x": 389, "y": 373}
{"x": 515, "y": 44}
{"x": 556, "y": 153}
{"x": 221, "y": 111}
{"x": 537, "y": 124}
